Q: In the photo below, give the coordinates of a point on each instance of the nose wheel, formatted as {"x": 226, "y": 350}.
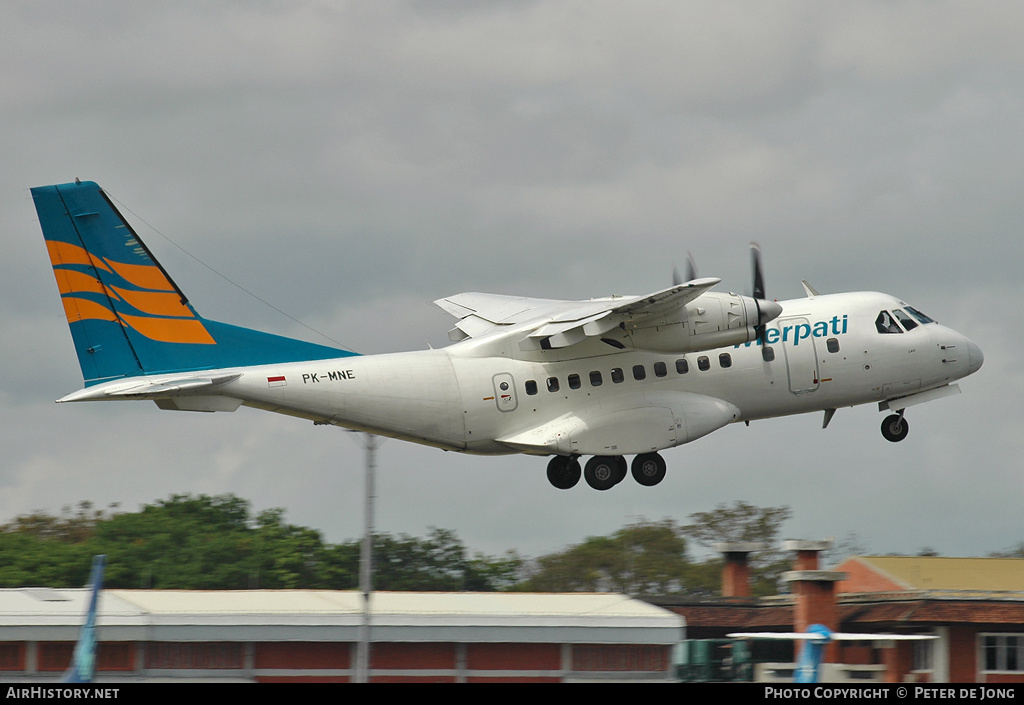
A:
{"x": 895, "y": 428}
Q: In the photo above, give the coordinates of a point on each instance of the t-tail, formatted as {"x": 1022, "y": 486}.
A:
{"x": 127, "y": 316}
{"x": 83, "y": 662}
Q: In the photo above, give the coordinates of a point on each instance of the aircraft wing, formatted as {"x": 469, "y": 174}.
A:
{"x": 563, "y": 323}
{"x": 833, "y": 636}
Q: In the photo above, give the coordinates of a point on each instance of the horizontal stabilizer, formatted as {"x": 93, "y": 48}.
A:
{"x": 149, "y": 388}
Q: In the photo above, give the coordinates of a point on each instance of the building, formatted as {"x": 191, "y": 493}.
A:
{"x": 975, "y": 606}
{"x": 313, "y": 635}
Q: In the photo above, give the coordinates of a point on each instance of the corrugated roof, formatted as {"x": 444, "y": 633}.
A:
{"x": 387, "y": 603}
{"x": 336, "y": 615}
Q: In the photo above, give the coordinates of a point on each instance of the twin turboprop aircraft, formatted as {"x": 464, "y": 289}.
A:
{"x": 606, "y": 378}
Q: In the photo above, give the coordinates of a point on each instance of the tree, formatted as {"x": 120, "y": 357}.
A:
{"x": 740, "y": 523}
{"x": 645, "y": 558}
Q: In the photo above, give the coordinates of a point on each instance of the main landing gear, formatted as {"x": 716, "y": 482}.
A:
{"x": 602, "y": 472}
{"x": 895, "y": 427}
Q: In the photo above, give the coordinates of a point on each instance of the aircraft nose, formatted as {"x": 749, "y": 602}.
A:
{"x": 975, "y": 357}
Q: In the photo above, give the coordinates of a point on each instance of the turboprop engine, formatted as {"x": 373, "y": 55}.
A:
{"x": 713, "y": 320}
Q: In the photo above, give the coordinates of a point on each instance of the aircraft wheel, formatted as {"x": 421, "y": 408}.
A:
{"x": 564, "y": 472}
{"x": 895, "y": 428}
{"x": 648, "y": 469}
{"x": 601, "y": 472}
{"x": 621, "y": 468}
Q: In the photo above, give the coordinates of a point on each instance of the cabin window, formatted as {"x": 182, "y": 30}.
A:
{"x": 682, "y": 366}
{"x": 832, "y": 344}
{"x": 595, "y": 379}
{"x": 639, "y": 372}
{"x": 617, "y": 375}
{"x": 725, "y": 360}
{"x": 552, "y": 384}
{"x": 703, "y": 363}
{"x": 768, "y": 353}
{"x": 531, "y": 387}
{"x": 885, "y": 323}
{"x": 574, "y": 382}
{"x": 660, "y": 369}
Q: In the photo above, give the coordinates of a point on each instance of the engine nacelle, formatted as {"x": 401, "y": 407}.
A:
{"x": 713, "y": 320}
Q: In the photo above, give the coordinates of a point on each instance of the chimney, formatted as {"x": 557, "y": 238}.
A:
{"x": 814, "y": 590}
{"x": 736, "y": 571}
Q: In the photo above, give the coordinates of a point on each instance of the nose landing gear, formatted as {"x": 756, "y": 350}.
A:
{"x": 895, "y": 428}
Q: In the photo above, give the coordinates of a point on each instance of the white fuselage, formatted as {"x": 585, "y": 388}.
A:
{"x": 587, "y": 399}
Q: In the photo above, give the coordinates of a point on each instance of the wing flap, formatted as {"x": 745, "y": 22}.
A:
{"x": 564, "y": 323}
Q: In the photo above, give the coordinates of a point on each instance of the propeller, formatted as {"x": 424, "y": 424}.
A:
{"x": 766, "y": 310}
{"x": 691, "y": 271}
{"x": 755, "y": 257}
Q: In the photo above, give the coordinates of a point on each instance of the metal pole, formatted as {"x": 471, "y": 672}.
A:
{"x": 366, "y": 560}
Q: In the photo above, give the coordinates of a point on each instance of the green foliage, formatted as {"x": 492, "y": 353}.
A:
{"x": 646, "y": 558}
{"x": 743, "y": 522}
{"x": 215, "y": 543}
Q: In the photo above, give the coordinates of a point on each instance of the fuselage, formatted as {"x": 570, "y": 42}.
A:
{"x": 609, "y": 377}
{"x": 482, "y": 395}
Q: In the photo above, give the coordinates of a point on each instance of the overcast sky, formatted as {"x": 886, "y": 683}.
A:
{"x": 350, "y": 162}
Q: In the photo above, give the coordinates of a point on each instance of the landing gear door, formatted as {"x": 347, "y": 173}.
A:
{"x": 505, "y": 392}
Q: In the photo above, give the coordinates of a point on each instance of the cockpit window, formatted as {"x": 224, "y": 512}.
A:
{"x": 919, "y": 316}
{"x": 885, "y": 323}
{"x": 908, "y": 323}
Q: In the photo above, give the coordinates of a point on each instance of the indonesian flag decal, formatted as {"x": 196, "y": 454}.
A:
{"x": 277, "y": 381}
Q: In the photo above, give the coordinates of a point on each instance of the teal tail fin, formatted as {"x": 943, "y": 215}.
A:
{"x": 83, "y": 663}
{"x": 127, "y": 316}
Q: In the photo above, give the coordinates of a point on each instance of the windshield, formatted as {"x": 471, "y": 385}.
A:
{"x": 918, "y": 315}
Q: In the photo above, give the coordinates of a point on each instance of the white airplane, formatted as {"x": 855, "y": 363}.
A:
{"x": 607, "y": 378}
{"x": 813, "y": 643}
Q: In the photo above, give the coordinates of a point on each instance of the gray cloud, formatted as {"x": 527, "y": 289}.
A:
{"x": 351, "y": 162}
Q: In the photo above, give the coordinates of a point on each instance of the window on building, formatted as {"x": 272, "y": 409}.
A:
{"x": 1003, "y": 652}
